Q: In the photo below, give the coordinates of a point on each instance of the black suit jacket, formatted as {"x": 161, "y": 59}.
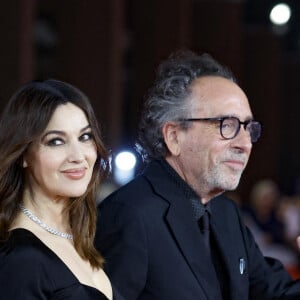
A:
{"x": 149, "y": 237}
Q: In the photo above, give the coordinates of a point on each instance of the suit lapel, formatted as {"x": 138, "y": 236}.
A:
{"x": 227, "y": 237}
{"x": 180, "y": 220}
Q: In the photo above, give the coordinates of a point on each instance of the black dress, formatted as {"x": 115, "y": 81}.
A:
{"x": 30, "y": 270}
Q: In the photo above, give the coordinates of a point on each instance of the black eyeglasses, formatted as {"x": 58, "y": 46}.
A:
{"x": 230, "y": 127}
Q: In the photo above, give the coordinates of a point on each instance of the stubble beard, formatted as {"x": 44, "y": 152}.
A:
{"x": 223, "y": 180}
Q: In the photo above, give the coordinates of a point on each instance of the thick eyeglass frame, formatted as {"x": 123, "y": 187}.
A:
{"x": 254, "y": 135}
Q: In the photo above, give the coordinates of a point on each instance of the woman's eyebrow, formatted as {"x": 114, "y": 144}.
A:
{"x": 63, "y": 133}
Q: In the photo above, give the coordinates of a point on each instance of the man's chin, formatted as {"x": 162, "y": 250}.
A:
{"x": 231, "y": 185}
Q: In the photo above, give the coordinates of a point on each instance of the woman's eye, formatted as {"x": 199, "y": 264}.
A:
{"x": 86, "y": 137}
{"x": 55, "y": 142}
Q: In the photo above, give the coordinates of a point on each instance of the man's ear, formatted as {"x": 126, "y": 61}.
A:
{"x": 170, "y": 132}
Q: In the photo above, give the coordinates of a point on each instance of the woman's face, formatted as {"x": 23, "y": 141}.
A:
{"x": 60, "y": 164}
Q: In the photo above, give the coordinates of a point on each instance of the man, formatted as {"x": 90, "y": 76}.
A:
{"x": 170, "y": 234}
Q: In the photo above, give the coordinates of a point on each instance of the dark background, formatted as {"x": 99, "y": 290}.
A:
{"x": 111, "y": 48}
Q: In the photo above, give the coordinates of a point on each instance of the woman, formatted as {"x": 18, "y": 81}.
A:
{"x": 52, "y": 160}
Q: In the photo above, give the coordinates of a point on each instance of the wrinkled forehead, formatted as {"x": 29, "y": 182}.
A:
{"x": 218, "y": 96}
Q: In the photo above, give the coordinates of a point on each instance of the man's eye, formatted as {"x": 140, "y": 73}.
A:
{"x": 55, "y": 142}
{"x": 227, "y": 125}
{"x": 86, "y": 137}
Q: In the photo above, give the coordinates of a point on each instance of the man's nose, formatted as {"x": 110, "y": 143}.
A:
{"x": 243, "y": 140}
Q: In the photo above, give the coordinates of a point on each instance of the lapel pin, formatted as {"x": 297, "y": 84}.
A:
{"x": 242, "y": 266}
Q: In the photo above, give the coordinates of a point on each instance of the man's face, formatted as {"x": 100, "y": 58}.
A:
{"x": 205, "y": 160}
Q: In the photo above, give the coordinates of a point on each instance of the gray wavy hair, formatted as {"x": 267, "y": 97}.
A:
{"x": 167, "y": 99}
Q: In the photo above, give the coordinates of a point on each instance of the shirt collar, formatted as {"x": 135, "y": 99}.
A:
{"x": 189, "y": 193}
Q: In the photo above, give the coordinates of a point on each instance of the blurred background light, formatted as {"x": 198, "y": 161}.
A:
{"x": 280, "y": 14}
{"x": 125, "y": 163}
{"x": 125, "y": 160}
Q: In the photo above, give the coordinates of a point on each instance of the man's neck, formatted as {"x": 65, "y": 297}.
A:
{"x": 201, "y": 192}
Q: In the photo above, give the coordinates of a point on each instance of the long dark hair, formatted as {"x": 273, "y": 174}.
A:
{"x": 23, "y": 121}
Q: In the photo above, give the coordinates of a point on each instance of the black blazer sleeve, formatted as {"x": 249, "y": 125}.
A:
{"x": 122, "y": 237}
{"x": 268, "y": 278}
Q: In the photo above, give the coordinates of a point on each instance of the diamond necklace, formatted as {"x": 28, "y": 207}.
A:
{"x": 36, "y": 220}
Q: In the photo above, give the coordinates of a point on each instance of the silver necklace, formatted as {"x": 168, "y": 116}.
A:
{"x": 36, "y": 220}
